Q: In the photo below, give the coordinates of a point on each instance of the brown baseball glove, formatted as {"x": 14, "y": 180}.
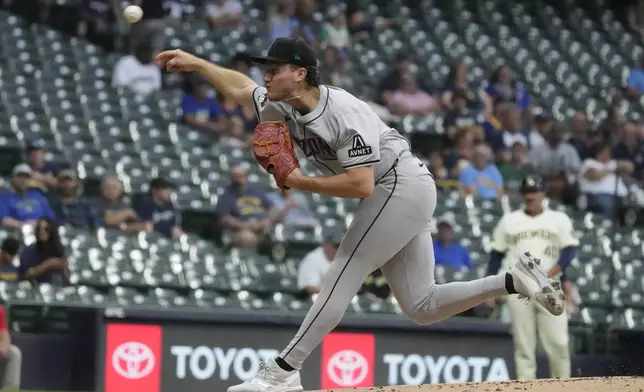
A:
{"x": 273, "y": 149}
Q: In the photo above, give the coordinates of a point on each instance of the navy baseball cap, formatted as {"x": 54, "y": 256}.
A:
{"x": 161, "y": 183}
{"x": 532, "y": 183}
{"x": 36, "y": 144}
{"x": 288, "y": 51}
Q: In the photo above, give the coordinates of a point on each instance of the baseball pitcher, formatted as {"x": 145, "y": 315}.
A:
{"x": 550, "y": 237}
{"x": 358, "y": 156}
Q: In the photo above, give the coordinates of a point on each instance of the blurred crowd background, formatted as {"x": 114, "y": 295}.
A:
{"x": 126, "y": 184}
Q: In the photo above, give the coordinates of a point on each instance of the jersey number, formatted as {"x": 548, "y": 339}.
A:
{"x": 550, "y": 251}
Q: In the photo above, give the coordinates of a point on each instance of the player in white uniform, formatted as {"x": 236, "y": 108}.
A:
{"x": 549, "y": 236}
{"x": 359, "y": 157}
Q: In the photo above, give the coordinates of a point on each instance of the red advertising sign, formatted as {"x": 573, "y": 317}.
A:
{"x": 133, "y": 358}
{"x": 348, "y": 360}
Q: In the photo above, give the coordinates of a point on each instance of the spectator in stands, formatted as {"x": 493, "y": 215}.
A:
{"x": 459, "y": 116}
{"x": 376, "y": 286}
{"x": 492, "y": 125}
{"x": 579, "y": 134}
{"x": 409, "y": 99}
{"x": 200, "y": 108}
{"x": 45, "y": 261}
{"x": 631, "y": 149}
{"x": 482, "y": 178}
{"x": 224, "y": 13}
{"x": 241, "y": 63}
{"x": 241, "y": 122}
{"x": 503, "y": 86}
{"x": 600, "y": 179}
{"x": 542, "y": 125}
{"x": 334, "y": 69}
{"x": 444, "y": 179}
{"x": 115, "y": 213}
{"x": 70, "y": 206}
{"x": 157, "y": 209}
{"x": 516, "y": 168}
{"x": 635, "y": 17}
{"x": 282, "y": 22}
{"x": 360, "y": 27}
{"x": 100, "y": 17}
{"x": 512, "y": 133}
{"x": 244, "y": 210}
{"x": 294, "y": 209}
{"x": 635, "y": 80}
{"x": 461, "y": 157}
{"x": 43, "y": 173}
{"x": 475, "y": 97}
{"x": 393, "y": 80}
{"x": 555, "y": 156}
{"x": 447, "y": 251}
{"x": 20, "y": 205}
{"x": 8, "y": 251}
{"x": 10, "y": 357}
{"x": 308, "y": 28}
{"x": 151, "y": 29}
{"x": 138, "y": 72}
{"x": 610, "y": 128}
{"x": 314, "y": 265}
{"x": 335, "y": 31}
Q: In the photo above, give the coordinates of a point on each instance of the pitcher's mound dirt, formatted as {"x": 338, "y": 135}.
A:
{"x": 598, "y": 384}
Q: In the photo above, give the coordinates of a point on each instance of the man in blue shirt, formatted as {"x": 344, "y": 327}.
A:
{"x": 8, "y": 251}
{"x": 158, "y": 209}
{"x": 43, "y": 174}
{"x": 635, "y": 81}
{"x": 200, "y": 108}
{"x": 20, "y": 205}
{"x": 481, "y": 177}
{"x": 447, "y": 252}
{"x": 244, "y": 210}
{"x": 69, "y": 205}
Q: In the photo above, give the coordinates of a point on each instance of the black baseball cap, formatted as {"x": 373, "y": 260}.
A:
{"x": 288, "y": 51}
{"x": 37, "y": 144}
{"x": 334, "y": 238}
{"x": 532, "y": 183}
{"x": 161, "y": 183}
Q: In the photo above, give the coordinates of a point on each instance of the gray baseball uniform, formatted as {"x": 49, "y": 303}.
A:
{"x": 390, "y": 229}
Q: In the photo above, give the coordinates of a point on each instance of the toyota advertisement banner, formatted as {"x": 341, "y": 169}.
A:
{"x": 195, "y": 358}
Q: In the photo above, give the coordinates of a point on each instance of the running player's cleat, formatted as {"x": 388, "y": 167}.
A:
{"x": 531, "y": 282}
{"x": 271, "y": 378}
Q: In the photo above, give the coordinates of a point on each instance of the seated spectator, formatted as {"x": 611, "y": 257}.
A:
{"x": 461, "y": 157}
{"x": 8, "y": 251}
{"x": 309, "y": 29}
{"x": 600, "y": 181}
{"x": 294, "y": 209}
{"x": 334, "y": 69}
{"x": 492, "y": 125}
{"x": 100, "y": 20}
{"x": 157, "y": 209}
{"x": 442, "y": 176}
{"x": 314, "y": 265}
{"x": 20, "y": 205}
{"x": 409, "y": 99}
{"x": 635, "y": 81}
{"x": 282, "y": 22}
{"x": 512, "y": 133}
{"x": 335, "y": 32}
{"x": 446, "y": 251}
{"x": 45, "y": 261}
{"x": 503, "y": 86}
{"x": 555, "y": 156}
{"x": 542, "y": 124}
{"x": 245, "y": 117}
{"x": 43, "y": 173}
{"x": 516, "y": 168}
{"x": 115, "y": 213}
{"x": 200, "y": 108}
{"x": 631, "y": 149}
{"x": 360, "y": 27}
{"x": 10, "y": 357}
{"x": 610, "y": 127}
{"x": 482, "y": 177}
{"x": 241, "y": 63}
{"x": 393, "y": 80}
{"x": 475, "y": 97}
{"x": 376, "y": 286}
{"x": 138, "y": 72}
{"x": 244, "y": 210}
{"x": 224, "y": 13}
{"x": 460, "y": 116}
{"x": 579, "y": 136}
{"x": 70, "y": 206}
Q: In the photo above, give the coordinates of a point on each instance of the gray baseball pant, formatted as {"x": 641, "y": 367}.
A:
{"x": 390, "y": 231}
{"x": 10, "y": 369}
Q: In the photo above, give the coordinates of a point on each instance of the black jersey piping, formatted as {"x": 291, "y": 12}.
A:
{"x": 393, "y": 189}
{"x": 361, "y": 163}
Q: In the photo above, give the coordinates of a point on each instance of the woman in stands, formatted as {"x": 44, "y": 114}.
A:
{"x": 503, "y": 86}
{"x": 45, "y": 261}
{"x": 457, "y": 80}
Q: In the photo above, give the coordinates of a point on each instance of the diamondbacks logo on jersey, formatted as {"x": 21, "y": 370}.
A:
{"x": 261, "y": 100}
{"x": 359, "y": 149}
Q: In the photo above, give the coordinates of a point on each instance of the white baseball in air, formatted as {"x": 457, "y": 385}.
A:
{"x": 133, "y": 13}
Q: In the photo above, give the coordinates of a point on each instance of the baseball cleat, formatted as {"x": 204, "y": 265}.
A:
{"x": 531, "y": 282}
{"x": 271, "y": 378}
